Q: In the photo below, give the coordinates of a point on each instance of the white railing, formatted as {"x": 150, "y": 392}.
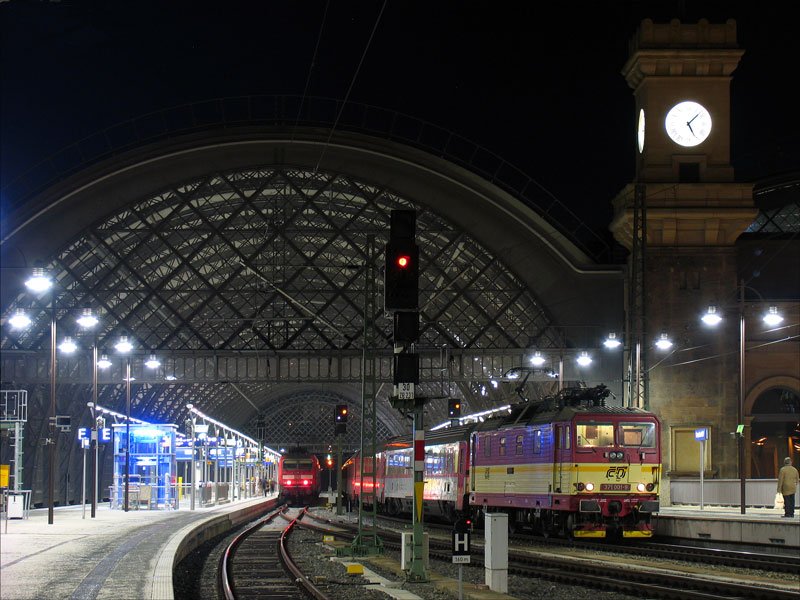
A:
{"x": 758, "y": 493}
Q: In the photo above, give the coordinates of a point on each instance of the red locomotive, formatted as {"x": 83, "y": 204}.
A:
{"x": 299, "y": 476}
{"x": 565, "y": 464}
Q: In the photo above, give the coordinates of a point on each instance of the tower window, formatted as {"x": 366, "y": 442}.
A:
{"x": 689, "y": 172}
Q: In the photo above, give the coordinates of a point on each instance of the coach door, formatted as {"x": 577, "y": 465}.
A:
{"x": 561, "y": 452}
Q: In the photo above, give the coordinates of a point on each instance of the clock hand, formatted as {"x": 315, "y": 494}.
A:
{"x": 689, "y": 124}
{"x": 692, "y": 119}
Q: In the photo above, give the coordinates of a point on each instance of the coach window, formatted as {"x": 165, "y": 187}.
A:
{"x": 519, "y": 444}
{"x": 487, "y": 446}
{"x": 502, "y": 446}
{"x": 537, "y": 441}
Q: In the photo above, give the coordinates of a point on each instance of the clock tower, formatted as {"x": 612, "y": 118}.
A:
{"x": 680, "y": 219}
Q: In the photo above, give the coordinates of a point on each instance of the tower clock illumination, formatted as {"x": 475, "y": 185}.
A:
{"x": 688, "y": 123}
{"x": 640, "y": 131}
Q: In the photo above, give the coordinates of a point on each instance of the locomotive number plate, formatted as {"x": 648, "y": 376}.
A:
{"x": 615, "y": 487}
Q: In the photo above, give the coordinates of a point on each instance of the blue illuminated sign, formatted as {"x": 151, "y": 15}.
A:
{"x": 84, "y": 433}
{"x": 701, "y": 435}
{"x": 105, "y": 434}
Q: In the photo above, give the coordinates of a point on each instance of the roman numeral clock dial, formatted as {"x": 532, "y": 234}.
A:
{"x": 688, "y": 123}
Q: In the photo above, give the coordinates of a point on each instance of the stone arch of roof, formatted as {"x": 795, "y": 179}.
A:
{"x": 545, "y": 281}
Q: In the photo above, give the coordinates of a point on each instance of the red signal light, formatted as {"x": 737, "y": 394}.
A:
{"x": 403, "y": 261}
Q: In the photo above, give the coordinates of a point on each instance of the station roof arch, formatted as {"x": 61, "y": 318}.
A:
{"x": 199, "y": 243}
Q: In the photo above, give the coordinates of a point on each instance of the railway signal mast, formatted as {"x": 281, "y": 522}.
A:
{"x": 401, "y": 298}
{"x": 339, "y": 430}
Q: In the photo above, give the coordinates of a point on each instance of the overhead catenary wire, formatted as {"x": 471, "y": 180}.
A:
{"x": 311, "y": 69}
{"x": 350, "y": 87}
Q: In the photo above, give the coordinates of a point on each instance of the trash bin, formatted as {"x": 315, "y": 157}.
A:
{"x": 16, "y": 506}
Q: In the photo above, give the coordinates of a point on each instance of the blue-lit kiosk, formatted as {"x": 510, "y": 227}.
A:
{"x": 152, "y": 465}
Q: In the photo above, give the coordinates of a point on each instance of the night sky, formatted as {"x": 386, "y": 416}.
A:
{"x": 537, "y": 83}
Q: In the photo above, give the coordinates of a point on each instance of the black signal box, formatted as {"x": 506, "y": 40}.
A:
{"x": 406, "y": 326}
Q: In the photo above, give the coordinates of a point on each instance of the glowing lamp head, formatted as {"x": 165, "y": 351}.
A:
{"x": 612, "y": 341}
{"x": 711, "y": 317}
{"x": 19, "y": 320}
{"x": 537, "y": 359}
{"x": 88, "y": 319}
{"x": 664, "y": 343}
{"x": 403, "y": 261}
{"x": 773, "y": 317}
{"x": 39, "y": 281}
{"x": 68, "y": 345}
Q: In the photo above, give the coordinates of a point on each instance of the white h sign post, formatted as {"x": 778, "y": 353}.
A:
{"x": 461, "y": 553}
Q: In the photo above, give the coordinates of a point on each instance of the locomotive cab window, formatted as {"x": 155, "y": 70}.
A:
{"x": 638, "y": 435}
{"x": 519, "y": 444}
{"x": 502, "y": 451}
{"x": 594, "y": 435}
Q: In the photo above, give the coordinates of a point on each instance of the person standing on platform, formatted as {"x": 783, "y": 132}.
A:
{"x": 787, "y": 485}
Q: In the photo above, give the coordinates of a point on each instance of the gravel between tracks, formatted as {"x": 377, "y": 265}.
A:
{"x": 314, "y": 559}
{"x": 306, "y": 547}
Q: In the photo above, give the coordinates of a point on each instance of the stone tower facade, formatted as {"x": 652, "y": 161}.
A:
{"x": 694, "y": 213}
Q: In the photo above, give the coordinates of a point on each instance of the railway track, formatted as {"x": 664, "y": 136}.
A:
{"x": 256, "y": 564}
{"x": 637, "y": 580}
{"x": 775, "y": 563}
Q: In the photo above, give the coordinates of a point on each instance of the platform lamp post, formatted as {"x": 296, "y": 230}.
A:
{"x": 88, "y": 320}
{"x": 771, "y": 318}
{"x": 99, "y": 423}
{"x": 124, "y": 346}
{"x": 39, "y": 283}
{"x": 190, "y": 423}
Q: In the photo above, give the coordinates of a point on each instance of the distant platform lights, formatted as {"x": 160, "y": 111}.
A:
{"x": 477, "y": 417}
{"x": 269, "y": 453}
{"x": 119, "y": 416}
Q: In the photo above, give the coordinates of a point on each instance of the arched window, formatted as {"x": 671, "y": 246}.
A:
{"x": 775, "y": 431}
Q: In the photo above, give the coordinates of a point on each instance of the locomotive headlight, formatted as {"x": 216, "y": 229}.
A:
{"x": 589, "y": 486}
{"x": 580, "y": 487}
{"x": 305, "y": 482}
{"x": 641, "y": 487}
{"x": 650, "y": 487}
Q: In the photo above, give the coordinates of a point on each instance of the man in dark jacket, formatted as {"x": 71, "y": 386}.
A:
{"x": 787, "y": 485}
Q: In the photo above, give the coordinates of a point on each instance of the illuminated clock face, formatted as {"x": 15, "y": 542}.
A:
{"x": 640, "y": 131}
{"x": 688, "y": 123}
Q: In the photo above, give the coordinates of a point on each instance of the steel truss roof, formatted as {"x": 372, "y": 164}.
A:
{"x": 246, "y": 275}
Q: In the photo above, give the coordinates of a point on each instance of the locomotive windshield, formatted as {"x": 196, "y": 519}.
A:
{"x": 302, "y": 463}
{"x": 592, "y": 435}
{"x": 638, "y": 435}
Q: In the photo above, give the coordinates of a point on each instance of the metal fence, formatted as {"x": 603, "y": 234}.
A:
{"x": 758, "y": 493}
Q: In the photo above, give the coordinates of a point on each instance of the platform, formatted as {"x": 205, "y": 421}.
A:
{"x": 758, "y": 526}
{"x": 116, "y": 555}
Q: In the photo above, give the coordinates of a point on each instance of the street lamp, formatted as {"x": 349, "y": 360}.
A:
{"x": 124, "y": 346}
{"x": 98, "y": 422}
{"x": 190, "y": 423}
{"x": 88, "y": 320}
{"x": 771, "y": 318}
{"x": 38, "y": 283}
